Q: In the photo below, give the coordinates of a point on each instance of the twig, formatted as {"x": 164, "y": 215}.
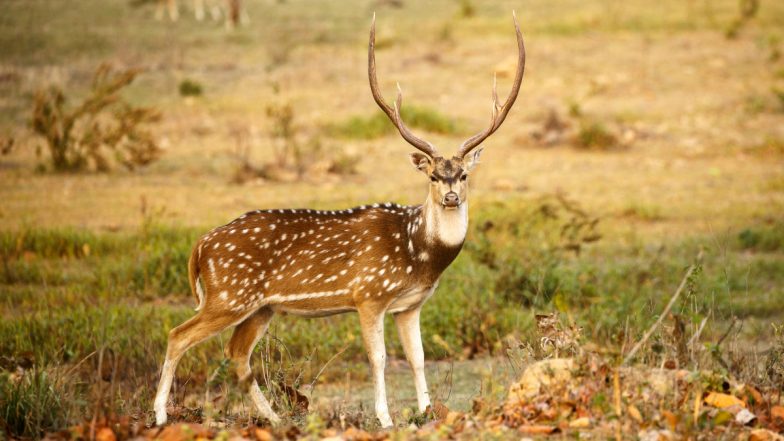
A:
{"x": 696, "y": 337}
{"x": 664, "y": 313}
{"x": 321, "y": 371}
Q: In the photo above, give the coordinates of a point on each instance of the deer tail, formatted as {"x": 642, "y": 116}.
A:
{"x": 193, "y": 276}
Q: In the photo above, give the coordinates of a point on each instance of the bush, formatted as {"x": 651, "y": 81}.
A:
{"x": 103, "y": 124}
{"x": 190, "y": 88}
{"x": 595, "y": 136}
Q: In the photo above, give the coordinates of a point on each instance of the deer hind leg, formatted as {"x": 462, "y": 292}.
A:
{"x": 411, "y": 339}
{"x": 183, "y": 337}
{"x": 239, "y": 350}
{"x": 372, "y": 324}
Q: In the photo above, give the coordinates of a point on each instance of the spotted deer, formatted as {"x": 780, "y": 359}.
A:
{"x": 232, "y": 10}
{"x": 376, "y": 259}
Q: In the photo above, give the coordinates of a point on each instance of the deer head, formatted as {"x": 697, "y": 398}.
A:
{"x": 448, "y": 176}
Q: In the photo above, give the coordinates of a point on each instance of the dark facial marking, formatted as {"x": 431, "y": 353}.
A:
{"x": 447, "y": 170}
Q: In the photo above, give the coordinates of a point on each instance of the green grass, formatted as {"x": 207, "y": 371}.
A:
{"x": 31, "y": 405}
{"x": 70, "y": 294}
{"x": 378, "y": 125}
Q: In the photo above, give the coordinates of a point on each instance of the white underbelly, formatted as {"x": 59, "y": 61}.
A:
{"x": 312, "y": 312}
{"x": 411, "y": 298}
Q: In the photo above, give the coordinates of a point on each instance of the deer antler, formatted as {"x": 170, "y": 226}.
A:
{"x": 499, "y": 111}
{"x": 393, "y": 113}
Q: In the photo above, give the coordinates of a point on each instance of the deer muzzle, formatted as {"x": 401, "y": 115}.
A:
{"x": 451, "y": 200}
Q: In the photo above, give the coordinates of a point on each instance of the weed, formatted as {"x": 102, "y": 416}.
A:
{"x": 103, "y": 123}
{"x": 774, "y": 362}
{"x": 31, "y": 404}
{"x": 762, "y": 239}
{"x": 595, "y": 136}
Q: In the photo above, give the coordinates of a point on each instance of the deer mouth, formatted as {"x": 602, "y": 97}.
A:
{"x": 450, "y": 205}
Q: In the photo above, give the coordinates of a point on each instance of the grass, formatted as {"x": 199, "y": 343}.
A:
{"x": 74, "y": 293}
{"x": 378, "y": 125}
{"x": 33, "y": 404}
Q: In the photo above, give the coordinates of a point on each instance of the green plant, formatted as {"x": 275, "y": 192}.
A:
{"x": 595, "y": 136}
{"x": 103, "y": 124}
{"x": 378, "y": 125}
{"x": 31, "y": 404}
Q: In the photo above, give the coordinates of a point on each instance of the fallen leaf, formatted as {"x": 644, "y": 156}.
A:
{"x": 536, "y": 429}
{"x": 755, "y": 394}
{"x": 453, "y": 417}
{"x": 722, "y": 418}
{"x": 183, "y": 431}
{"x": 262, "y": 434}
{"x": 777, "y": 412}
{"x": 634, "y": 413}
{"x": 744, "y": 417}
{"x": 580, "y": 423}
{"x": 105, "y": 434}
{"x": 672, "y": 419}
{"x": 764, "y": 435}
{"x": 721, "y": 401}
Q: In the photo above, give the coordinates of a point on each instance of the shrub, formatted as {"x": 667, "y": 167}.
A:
{"x": 595, "y": 136}
{"x": 82, "y": 137}
{"x": 190, "y": 88}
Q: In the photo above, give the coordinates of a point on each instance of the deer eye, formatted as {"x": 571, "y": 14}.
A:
{"x": 464, "y": 177}
{"x": 433, "y": 179}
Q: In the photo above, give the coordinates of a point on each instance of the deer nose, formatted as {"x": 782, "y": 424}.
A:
{"x": 451, "y": 200}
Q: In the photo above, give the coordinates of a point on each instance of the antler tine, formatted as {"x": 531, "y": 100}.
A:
{"x": 499, "y": 111}
{"x": 393, "y": 114}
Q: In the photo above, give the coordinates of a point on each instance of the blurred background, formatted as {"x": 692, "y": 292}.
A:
{"x": 646, "y": 138}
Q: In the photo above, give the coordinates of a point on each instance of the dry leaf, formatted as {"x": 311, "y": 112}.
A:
{"x": 536, "y": 429}
{"x": 105, "y": 434}
{"x": 262, "y": 434}
{"x": 754, "y": 393}
{"x": 580, "y": 423}
{"x": 721, "y": 401}
{"x": 634, "y": 413}
{"x": 744, "y": 417}
{"x": 671, "y": 418}
{"x": 764, "y": 435}
{"x": 777, "y": 412}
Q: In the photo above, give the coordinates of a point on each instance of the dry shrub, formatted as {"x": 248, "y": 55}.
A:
{"x": 100, "y": 127}
{"x": 296, "y": 155}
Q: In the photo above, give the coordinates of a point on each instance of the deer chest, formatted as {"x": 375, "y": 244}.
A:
{"x": 412, "y": 298}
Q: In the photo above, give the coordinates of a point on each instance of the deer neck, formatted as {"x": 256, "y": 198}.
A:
{"x": 444, "y": 228}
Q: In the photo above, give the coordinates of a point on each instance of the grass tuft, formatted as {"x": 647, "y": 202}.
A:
{"x": 378, "y": 125}
{"x": 31, "y": 404}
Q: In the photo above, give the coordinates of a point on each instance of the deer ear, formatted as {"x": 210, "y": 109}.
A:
{"x": 473, "y": 159}
{"x": 420, "y": 160}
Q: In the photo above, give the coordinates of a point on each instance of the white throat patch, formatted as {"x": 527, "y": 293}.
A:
{"x": 446, "y": 226}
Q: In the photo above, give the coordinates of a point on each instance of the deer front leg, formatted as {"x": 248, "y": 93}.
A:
{"x": 411, "y": 339}
{"x": 372, "y": 323}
